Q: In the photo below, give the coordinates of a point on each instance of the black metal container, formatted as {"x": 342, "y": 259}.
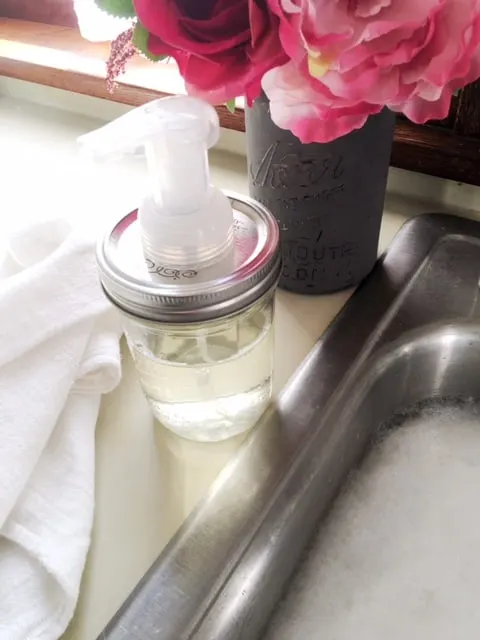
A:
{"x": 327, "y": 198}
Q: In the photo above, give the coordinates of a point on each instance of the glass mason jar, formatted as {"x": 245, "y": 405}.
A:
{"x": 202, "y": 345}
{"x": 209, "y": 380}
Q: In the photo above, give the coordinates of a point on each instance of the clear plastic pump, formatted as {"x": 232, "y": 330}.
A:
{"x": 185, "y": 221}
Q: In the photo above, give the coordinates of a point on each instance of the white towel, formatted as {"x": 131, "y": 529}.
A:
{"x": 59, "y": 352}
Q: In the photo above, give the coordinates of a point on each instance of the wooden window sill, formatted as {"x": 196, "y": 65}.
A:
{"x": 59, "y": 57}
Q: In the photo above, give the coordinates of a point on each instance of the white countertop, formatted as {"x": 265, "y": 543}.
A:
{"x": 148, "y": 480}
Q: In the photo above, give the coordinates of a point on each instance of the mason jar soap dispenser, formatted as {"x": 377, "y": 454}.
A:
{"x": 193, "y": 272}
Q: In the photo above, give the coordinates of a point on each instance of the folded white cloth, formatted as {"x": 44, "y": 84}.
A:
{"x": 59, "y": 352}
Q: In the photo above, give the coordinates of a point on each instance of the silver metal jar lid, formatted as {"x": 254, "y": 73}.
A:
{"x": 137, "y": 286}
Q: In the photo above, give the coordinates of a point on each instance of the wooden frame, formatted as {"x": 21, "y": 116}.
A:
{"x": 449, "y": 149}
{"x": 58, "y": 12}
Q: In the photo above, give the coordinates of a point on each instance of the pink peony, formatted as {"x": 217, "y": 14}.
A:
{"x": 222, "y": 47}
{"x": 350, "y": 58}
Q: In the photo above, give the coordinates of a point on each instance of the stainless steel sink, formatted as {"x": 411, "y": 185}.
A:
{"x": 407, "y": 337}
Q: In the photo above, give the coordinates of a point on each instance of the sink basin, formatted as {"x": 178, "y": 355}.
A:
{"x": 407, "y": 337}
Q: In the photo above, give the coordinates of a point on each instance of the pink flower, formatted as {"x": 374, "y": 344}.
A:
{"x": 222, "y": 47}
{"x": 349, "y": 58}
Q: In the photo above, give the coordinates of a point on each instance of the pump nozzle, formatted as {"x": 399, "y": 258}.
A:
{"x": 185, "y": 221}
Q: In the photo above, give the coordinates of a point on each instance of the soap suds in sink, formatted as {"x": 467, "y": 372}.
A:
{"x": 399, "y": 556}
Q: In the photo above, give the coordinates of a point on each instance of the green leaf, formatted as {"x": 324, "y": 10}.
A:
{"x": 231, "y": 105}
{"x": 140, "y": 42}
{"x": 118, "y": 8}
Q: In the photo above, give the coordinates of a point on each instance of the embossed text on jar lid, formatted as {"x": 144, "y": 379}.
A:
{"x": 160, "y": 293}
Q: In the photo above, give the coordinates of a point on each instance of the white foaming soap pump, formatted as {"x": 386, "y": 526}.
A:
{"x": 193, "y": 271}
{"x": 186, "y": 222}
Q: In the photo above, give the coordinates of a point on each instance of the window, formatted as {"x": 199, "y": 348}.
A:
{"x": 40, "y": 42}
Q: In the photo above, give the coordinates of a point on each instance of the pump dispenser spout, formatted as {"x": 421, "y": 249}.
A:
{"x": 185, "y": 221}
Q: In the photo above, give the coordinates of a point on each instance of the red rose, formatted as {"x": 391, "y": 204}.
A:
{"x": 222, "y": 47}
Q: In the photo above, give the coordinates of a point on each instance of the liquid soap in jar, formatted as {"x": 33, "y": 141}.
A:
{"x": 193, "y": 272}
